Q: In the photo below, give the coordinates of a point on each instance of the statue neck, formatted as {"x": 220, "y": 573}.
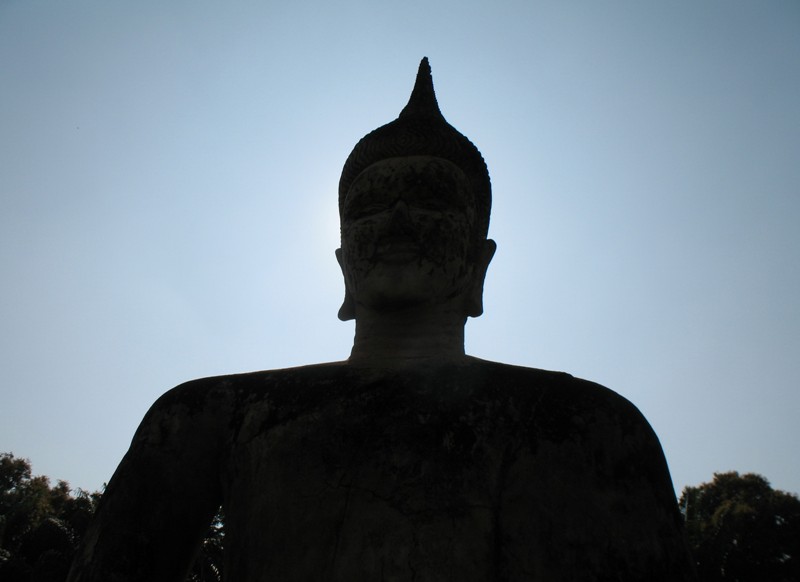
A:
{"x": 407, "y": 336}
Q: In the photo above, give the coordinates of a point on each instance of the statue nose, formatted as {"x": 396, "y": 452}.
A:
{"x": 400, "y": 219}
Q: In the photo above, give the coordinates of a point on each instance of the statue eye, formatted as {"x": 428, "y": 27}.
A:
{"x": 365, "y": 210}
{"x": 431, "y": 203}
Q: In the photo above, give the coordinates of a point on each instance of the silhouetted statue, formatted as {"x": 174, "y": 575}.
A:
{"x": 410, "y": 460}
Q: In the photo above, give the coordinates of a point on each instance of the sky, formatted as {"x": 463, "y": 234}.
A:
{"x": 168, "y": 204}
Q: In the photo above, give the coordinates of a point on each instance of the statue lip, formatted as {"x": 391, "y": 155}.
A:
{"x": 397, "y": 249}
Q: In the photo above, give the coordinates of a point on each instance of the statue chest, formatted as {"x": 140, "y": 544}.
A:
{"x": 386, "y": 482}
{"x": 447, "y": 480}
{"x": 385, "y": 486}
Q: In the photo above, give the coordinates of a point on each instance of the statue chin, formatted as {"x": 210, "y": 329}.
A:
{"x": 388, "y": 294}
{"x": 400, "y": 285}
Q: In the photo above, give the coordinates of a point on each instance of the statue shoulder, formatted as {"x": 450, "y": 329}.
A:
{"x": 217, "y": 398}
{"x": 564, "y": 402}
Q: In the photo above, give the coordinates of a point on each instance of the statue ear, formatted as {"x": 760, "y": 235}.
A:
{"x": 348, "y": 309}
{"x": 475, "y": 293}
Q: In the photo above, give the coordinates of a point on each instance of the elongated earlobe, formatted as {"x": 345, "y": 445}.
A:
{"x": 348, "y": 309}
{"x": 475, "y": 296}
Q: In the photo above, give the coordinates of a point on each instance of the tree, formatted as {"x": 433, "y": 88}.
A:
{"x": 207, "y": 566}
{"x": 40, "y": 527}
{"x": 741, "y": 529}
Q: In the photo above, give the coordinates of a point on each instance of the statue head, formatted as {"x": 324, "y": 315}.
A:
{"x": 414, "y": 203}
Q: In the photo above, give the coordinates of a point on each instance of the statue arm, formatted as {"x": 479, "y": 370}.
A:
{"x": 161, "y": 498}
{"x": 610, "y": 511}
{"x": 647, "y": 541}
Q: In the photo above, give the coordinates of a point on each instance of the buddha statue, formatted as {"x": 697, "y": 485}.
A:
{"x": 410, "y": 460}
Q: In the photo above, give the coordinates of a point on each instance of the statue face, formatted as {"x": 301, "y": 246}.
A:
{"x": 407, "y": 227}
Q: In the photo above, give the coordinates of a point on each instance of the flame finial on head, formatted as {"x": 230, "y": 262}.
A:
{"x": 423, "y": 98}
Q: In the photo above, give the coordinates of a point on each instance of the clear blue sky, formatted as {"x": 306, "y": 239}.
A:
{"x": 168, "y": 183}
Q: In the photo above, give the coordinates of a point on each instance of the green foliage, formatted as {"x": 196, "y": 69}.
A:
{"x": 741, "y": 529}
{"x": 41, "y": 526}
{"x": 207, "y": 566}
